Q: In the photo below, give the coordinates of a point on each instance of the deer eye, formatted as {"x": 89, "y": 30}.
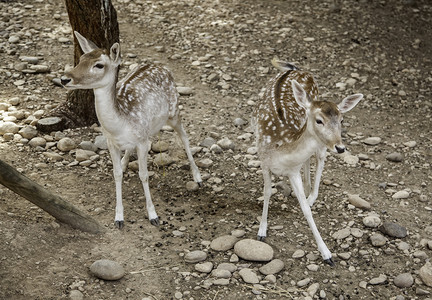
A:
{"x": 99, "y": 66}
{"x": 319, "y": 122}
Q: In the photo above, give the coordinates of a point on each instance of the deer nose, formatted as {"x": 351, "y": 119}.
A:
{"x": 65, "y": 80}
{"x": 340, "y": 149}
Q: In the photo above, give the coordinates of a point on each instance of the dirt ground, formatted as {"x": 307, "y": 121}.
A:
{"x": 222, "y": 50}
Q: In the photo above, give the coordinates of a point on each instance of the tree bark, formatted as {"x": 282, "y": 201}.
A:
{"x": 97, "y": 21}
{"x": 60, "y": 209}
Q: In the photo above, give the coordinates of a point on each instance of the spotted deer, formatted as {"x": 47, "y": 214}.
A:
{"x": 291, "y": 125}
{"x": 129, "y": 111}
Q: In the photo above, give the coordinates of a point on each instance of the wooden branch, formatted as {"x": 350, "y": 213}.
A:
{"x": 60, "y": 209}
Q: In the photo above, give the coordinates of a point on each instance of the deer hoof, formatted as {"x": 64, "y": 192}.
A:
{"x": 261, "y": 238}
{"x": 329, "y": 262}
{"x": 119, "y": 224}
{"x": 154, "y": 222}
{"x": 200, "y": 184}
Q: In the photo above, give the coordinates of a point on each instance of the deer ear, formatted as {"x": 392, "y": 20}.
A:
{"x": 349, "y": 102}
{"x": 115, "y": 53}
{"x": 300, "y": 94}
{"x": 85, "y": 44}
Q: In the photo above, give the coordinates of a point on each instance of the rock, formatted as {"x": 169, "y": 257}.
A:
{"x": 227, "y": 266}
{"x": 273, "y": 267}
{"x": 303, "y": 282}
{"x": 76, "y": 295}
{"x": 298, "y": 253}
{"x": 226, "y": 144}
{"x": 215, "y": 148}
{"x": 53, "y": 156}
{"x": 8, "y": 127}
{"x": 221, "y": 273}
{"x": 223, "y": 243}
{"x": 342, "y": 234}
{"x": 239, "y": 122}
{"x": 107, "y": 269}
{"x": 350, "y": 159}
{"x": 393, "y": 230}
{"x": 184, "y": 90}
{"x": 88, "y": 145}
{"x": 208, "y": 142}
{"x": 159, "y": 146}
{"x": 192, "y": 186}
{"x": 101, "y": 143}
{"x": 358, "y": 202}
{"x": 82, "y": 155}
{"x": 378, "y": 280}
{"x": 249, "y": 276}
{"x": 395, "y": 157}
{"x": 221, "y": 281}
{"x": 371, "y": 221}
{"x": 372, "y": 141}
{"x": 403, "y": 280}
{"x": 204, "y": 163}
{"x": 28, "y": 132}
{"x": 37, "y": 141}
{"x": 195, "y": 256}
{"x": 162, "y": 160}
{"x": 254, "y": 164}
{"x": 253, "y": 250}
{"x": 401, "y": 195}
{"x": 205, "y": 267}
{"x": 426, "y": 274}
{"x": 410, "y": 144}
{"x": 270, "y": 278}
{"x": 66, "y": 144}
{"x": 378, "y": 240}
{"x": 238, "y": 233}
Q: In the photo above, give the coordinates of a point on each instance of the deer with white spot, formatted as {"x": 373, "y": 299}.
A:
{"x": 291, "y": 125}
{"x": 129, "y": 111}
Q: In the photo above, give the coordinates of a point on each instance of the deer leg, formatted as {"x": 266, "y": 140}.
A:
{"x": 118, "y": 177}
{"x": 125, "y": 160}
{"x": 320, "y": 156}
{"x": 262, "y": 232}
{"x": 307, "y": 177}
{"x": 178, "y": 127}
{"x": 142, "y": 150}
{"x": 296, "y": 182}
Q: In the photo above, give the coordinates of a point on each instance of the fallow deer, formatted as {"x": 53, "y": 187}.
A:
{"x": 129, "y": 111}
{"x": 291, "y": 125}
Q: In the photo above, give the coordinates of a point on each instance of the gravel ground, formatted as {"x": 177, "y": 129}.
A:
{"x": 374, "y": 206}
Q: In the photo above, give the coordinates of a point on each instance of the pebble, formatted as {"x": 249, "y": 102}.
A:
{"x": 88, "y": 145}
{"x": 303, "y": 282}
{"x": 205, "y": 267}
{"x": 249, "y": 276}
{"x": 221, "y": 281}
{"x": 253, "y": 250}
{"x": 160, "y": 146}
{"x": 371, "y": 221}
{"x": 8, "y": 127}
{"x": 223, "y": 243}
{"x": 226, "y": 144}
{"x": 403, "y": 280}
{"x": 101, "y": 142}
{"x": 37, "y": 142}
{"x": 76, "y": 295}
{"x": 195, "y": 256}
{"x": 204, "y": 163}
{"x": 298, "y": 254}
{"x": 178, "y": 295}
{"x": 273, "y": 267}
{"x": 378, "y": 240}
{"x": 401, "y": 195}
{"x": 192, "y": 186}
{"x": 238, "y": 233}
{"x": 395, "y": 157}
{"x": 162, "y": 160}
{"x": 107, "y": 269}
{"x": 410, "y": 144}
{"x": 227, "y": 266}
{"x": 28, "y": 132}
{"x": 216, "y": 149}
{"x": 342, "y": 234}
{"x": 393, "y": 230}
{"x": 66, "y": 144}
{"x": 378, "y": 280}
{"x": 358, "y": 202}
{"x": 221, "y": 273}
{"x": 372, "y": 141}
{"x": 239, "y": 122}
{"x": 426, "y": 274}
{"x": 208, "y": 142}
{"x": 350, "y": 159}
{"x": 82, "y": 155}
{"x": 184, "y": 90}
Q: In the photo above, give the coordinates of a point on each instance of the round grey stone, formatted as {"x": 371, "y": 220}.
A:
{"x": 395, "y": 157}
{"x": 358, "y": 202}
{"x": 371, "y": 221}
{"x": 372, "y": 141}
{"x": 66, "y": 144}
{"x": 76, "y": 295}
{"x": 28, "y": 132}
{"x": 195, "y": 256}
{"x": 101, "y": 143}
{"x": 253, "y": 250}
{"x": 378, "y": 240}
{"x": 205, "y": 267}
{"x": 8, "y": 127}
{"x": 426, "y": 274}
{"x": 227, "y": 266}
{"x": 226, "y": 144}
{"x": 37, "y": 141}
{"x": 273, "y": 267}
{"x": 403, "y": 280}
{"x": 393, "y": 230}
{"x": 249, "y": 276}
{"x": 107, "y": 269}
{"x": 223, "y": 243}
{"x": 221, "y": 273}
{"x": 160, "y": 146}
{"x": 162, "y": 159}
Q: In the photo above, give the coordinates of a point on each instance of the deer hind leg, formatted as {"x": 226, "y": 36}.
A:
{"x": 125, "y": 160}
{"x": 142, "y": 150}
{"x": 297, "y": 186}
{"x": 118, "y": 177}
{"x": 178, "y": 127}
{"x": 262, "y": 232}
{"x": 320, "y": 157}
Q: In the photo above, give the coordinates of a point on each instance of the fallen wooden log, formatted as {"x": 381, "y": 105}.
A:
{"x": 60, "y": 209}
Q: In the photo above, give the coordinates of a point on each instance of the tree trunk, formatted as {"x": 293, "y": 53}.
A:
{"x": 60, "y": 209}
{"x": 97, "y": 21}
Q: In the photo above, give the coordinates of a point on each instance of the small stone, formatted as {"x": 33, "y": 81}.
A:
{"x": 350, "y": 159}
{"x": 83, "y": 155}
{"x": 358, "y": 202}
{"x": 184, "y": 90}
{"x": 160, "y": 146}
{"x": 248, "y": 276}
{"x": 254, "y": 164}
{"x": 273, "y": 267}
{"x": 205, "y": 267}
{"x": 192, "y": 186}
{"x": 178, "y": 295}
{"x": 372, "y": 141}
{"x": 53, "y": 156}
{"x": 403, "y": 280}
{"x": 28, "y": 132}
{"x": 312, "y": 267}
{"x": 378, "y": 280}
{"x": 342, "y": 234}
{"x": 221, "y": 281}
{"x": 371, "y": 221}
{"x": 226, "y": 144}
{"x": 162, "y": 160}
{"x": 37, "y": 142}
{"x": 303, "y": 282}
{"x": 107, "y": 269}
{"x": 239, "y": 122}
{"x": 298, "y": 253}
{"x": 223, "y": 243}
{"x": 234, "y": 258}
{"x": 76, "y": 295}
{"x": 216, "y": 149}
{"x": 313, "y": 289}
{"x": 208, "y": 142}
{"x": 13, "y": 39}
{"x": 88, "y": 145}
{"x": 395, "y": 157}
{"x": 270, "y": 278}
{"x": 344, "y": 255}
{"x": 393, "y": 230}
{"x": 253, "y": 250}
{"x": 238, "y": 233}
{"x": 426, "y": 274}
{"x": 378, "y": 240}
{"x": 227, "y": 266}
{"x": 401, "y": 195}
{"x": 410, "y": 144}
{"x": 204, "y": 163}
{"x": 195, "y": 256}
{"x": 101, "y": 142}
{"x": 8, "y": 127}
{"x": 221, "y": 273}
{"x": 308, "y": 39}
{"x": 66, "y": 144}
